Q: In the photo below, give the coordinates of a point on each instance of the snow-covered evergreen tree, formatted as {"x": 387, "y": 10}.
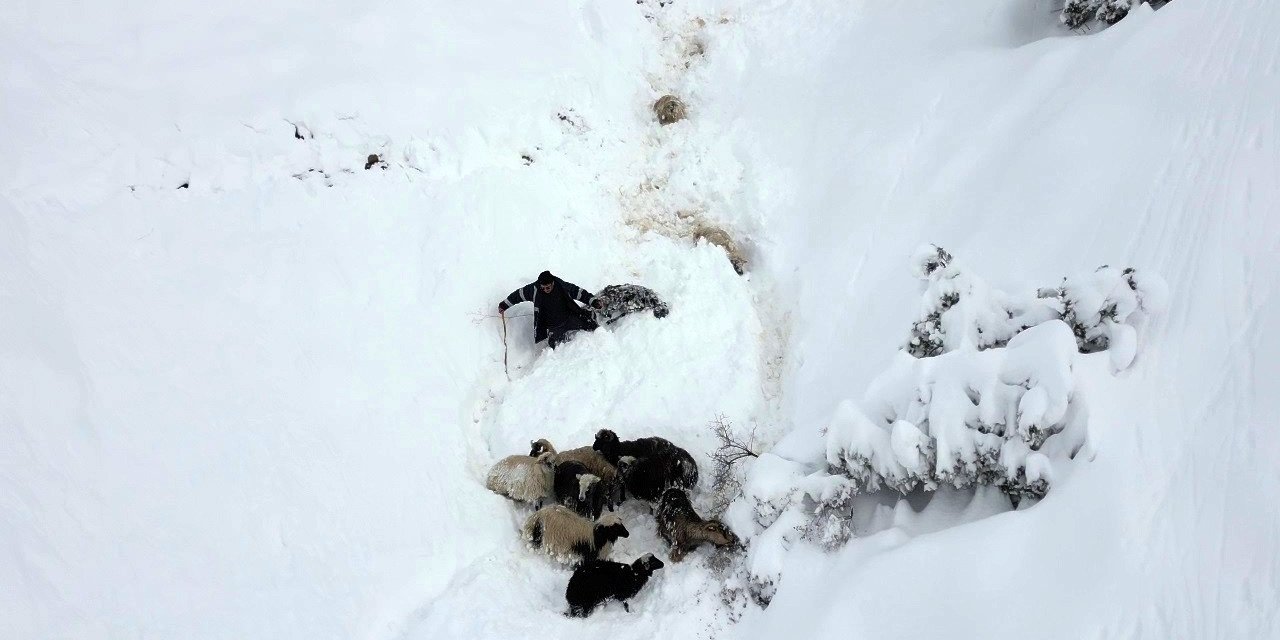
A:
{"x": 966, "y": 418}
{"x": 1079, "y": 13}
{"x": 1113, "y": 11}
{"x": 1105, "y": 309}
{"x": 1000, "y": 386}
{"x": 983, "y": 394}
{"x": 958, "y": 309}
{"x": 932, "y": 263}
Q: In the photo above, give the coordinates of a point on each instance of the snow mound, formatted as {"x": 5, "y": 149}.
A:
{"x": 993, "y": 382}
{"x": 960, "y": 310}
{"x": 966, "y": 417}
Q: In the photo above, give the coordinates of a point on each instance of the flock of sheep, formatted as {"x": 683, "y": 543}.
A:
{"x": 570, "y": 490}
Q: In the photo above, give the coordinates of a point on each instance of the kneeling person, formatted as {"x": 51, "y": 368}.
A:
{"x": 556, "y": 314}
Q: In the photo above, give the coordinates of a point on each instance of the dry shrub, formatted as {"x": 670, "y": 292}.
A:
{"x": 725, "y": 483}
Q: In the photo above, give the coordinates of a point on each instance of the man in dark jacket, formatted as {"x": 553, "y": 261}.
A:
{"x": 556, "y": 313}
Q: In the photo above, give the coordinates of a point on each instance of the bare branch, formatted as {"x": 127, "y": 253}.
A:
{"x": 732, "y": 449}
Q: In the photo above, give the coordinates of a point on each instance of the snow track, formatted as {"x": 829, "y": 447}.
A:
{"x": 643, "y": 376}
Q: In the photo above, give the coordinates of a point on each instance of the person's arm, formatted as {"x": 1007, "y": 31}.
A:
{"x": 523, "y": 294}
{"x": 578, "y": 293}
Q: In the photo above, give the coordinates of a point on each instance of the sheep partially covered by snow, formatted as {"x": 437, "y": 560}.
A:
{"x": 580, "y": 490}
{"x": 597, "y": 581}
{"x": 570, "y": 538}
{"x": 646, "y": 478}
{"x": 523, "y": 478}
{"x": 619, "y": 300}
{"x": 593, "y": 460}
{"x": 682, "y": 528}
{"x": 659, "y": 463}
{"x": 669, "y": 109}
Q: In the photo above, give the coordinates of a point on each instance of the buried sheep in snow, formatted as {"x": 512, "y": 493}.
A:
{"x": 597, "y": 581}
{"x": 570, "y": 538}
{"x": 524, "y": 478}
{"x": 646, "y": 478}
{"x": 619, "y": 300}
{"x": 719, "y": 237}
{"x": 682, "y": 528}
{"x": 669, "y": 109}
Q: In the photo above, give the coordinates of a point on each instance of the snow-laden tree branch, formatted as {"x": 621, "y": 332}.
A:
{"x": 983, "y": 393}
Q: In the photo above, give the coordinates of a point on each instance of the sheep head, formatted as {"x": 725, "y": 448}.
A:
{"x": 609, "y": 528}
{"x": 645, "y": 565}
{"x": 608, "y": 533}
{"x": 607, "y": 444}
{"x": 715, "y": 532}
{"x": 541, "y": 446}
{"x": 585, "y": 482}
{"x": 626, "y": 466}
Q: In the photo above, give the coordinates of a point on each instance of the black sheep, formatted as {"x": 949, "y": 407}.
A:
{"x": 658, "y": 464}
{"x": 618, "y": 300}
{"x": 646, "y": 478}
{"x": 577, "y": 488}
{"x": 596, "y": 581}
{"x": 608, "y": 443}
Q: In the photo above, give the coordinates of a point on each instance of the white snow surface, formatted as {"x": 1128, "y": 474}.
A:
{"x": 264, "y": 405}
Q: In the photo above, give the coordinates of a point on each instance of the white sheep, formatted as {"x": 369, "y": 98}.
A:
{"x": 570, "y": 538}
{"x": 524, "y": 478}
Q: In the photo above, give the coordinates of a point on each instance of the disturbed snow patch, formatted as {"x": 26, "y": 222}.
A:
{"x": 704, "y": 353}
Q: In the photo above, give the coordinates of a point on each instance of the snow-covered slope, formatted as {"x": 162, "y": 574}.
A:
{"x": 249, "y": 384}
{"x": 1152, "y": 144}
{"x": 261, "y": 405}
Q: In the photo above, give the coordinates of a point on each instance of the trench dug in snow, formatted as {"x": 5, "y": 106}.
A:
{"x": 713, "y": 356}
{"x": 642, "y": 376}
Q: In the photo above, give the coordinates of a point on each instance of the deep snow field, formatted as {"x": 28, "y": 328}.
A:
{"x": 250, "y": 388}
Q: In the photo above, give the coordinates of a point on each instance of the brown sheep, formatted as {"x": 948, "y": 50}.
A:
{"x": 593, "y": 460}
{"x": 682, "y": 528}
